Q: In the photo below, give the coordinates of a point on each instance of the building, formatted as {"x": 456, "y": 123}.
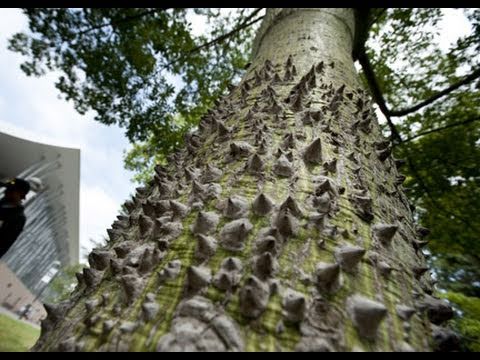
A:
{"x": 50, "y": 238}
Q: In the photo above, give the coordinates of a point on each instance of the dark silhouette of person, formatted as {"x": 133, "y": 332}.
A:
{"x": 12, "y": 216}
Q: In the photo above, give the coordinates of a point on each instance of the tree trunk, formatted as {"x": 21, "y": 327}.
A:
{"x": 282, "y": 225}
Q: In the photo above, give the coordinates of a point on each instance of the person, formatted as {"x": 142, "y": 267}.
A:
{"x": 25, "y": 312}
{"x": 12, "y": 216}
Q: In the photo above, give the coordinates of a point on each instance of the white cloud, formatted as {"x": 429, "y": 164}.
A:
{"x": 199, "y": 25}
{"x": 453, "y": 25}
{"x": 21, "y": 132}
{"x": 12, "y": 20}
{"x": 98, "y": 211}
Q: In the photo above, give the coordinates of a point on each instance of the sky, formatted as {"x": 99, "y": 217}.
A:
{"x": 453, "y": 25}
{"x": 30, "y": 109}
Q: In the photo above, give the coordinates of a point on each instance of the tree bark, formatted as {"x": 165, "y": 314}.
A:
{"x": 282, "y": 224}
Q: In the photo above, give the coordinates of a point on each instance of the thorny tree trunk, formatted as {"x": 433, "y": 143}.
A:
{"x": 282, "y": 225}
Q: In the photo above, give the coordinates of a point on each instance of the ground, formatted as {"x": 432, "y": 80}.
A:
{"x": 15, "y": 335}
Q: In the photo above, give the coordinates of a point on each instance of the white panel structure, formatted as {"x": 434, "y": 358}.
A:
{"x": 51, "y": 234}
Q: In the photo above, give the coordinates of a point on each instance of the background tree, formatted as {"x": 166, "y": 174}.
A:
{"x": 430, "y": 95}
{"x": 63, "y": 284}
{"x": 119, "y": 66}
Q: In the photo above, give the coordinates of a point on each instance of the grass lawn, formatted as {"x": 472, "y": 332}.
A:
{"x": 16, "y": 335}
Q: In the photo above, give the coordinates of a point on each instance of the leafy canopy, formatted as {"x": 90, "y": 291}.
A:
{"x": 142, "y": 69}
{"x": 443, "y": 167}
{"x": 431, "y": 96}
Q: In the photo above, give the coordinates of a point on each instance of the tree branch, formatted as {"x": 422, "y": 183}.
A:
{"x": 378, "y": 96}
{"x": 442, "y": 128}
{"x": 364, "y": 20}
{"x": 128, "y": 18}
{"x": 378, "y": 16}
{"x": 466, "y": 80}
{"x": 244, "y": 25}
{"x": 376, "y": 92}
